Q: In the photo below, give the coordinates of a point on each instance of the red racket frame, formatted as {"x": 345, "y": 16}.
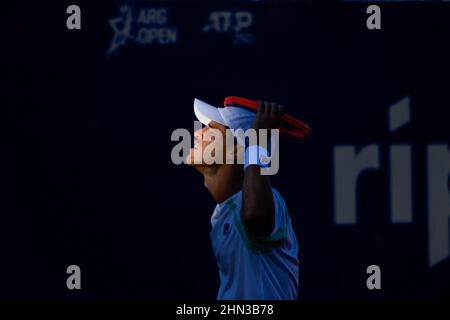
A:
{"x": 299, "y": 128}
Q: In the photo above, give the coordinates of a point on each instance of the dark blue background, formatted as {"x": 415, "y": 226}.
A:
{"x": 87, "y": 174}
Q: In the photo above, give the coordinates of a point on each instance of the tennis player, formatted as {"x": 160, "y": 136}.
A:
{"x": 253, "y": 240}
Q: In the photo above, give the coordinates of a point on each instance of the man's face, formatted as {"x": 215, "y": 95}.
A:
{"x": 207, "y": 141}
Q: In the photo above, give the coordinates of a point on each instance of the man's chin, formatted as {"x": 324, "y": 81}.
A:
{"x": 190, "y": 161}
{"x": 199, "y": 163}
{"x": 201, "y": 167}
{"x": 194, "y": 159}
{"x": 194, "y": 164}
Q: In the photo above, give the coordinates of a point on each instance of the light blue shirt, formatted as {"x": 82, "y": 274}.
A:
{"x": 252, "y": 267}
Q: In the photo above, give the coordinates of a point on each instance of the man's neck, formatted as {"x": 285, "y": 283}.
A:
{"x": 223, "y": 182}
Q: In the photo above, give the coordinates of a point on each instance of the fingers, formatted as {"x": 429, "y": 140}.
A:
{"x": 269, "y": 114}
{"x": 261, "y": 108}
{"x": 268, "y": 109}
{"x": 275, "y": 114}
{"x": 273, "y": 110}
{"x": 280, "y": 110}
{"x": 265, "y": 107}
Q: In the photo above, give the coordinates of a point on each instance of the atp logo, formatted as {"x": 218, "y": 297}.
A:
{"x": 235, "y": 23}
{"x": 349, "y": 165}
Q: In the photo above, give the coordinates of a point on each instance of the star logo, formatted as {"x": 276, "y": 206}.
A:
{"x": 122, "y": 28}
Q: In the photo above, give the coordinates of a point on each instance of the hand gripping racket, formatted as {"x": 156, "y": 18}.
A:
{"x": 290, "y": 126}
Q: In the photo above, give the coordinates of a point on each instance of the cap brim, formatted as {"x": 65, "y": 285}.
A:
{"x": 206, "y": 113}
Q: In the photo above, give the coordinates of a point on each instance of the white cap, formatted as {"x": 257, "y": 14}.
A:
{"x": 206, "y": 113}
{"x": 232, "y": 117}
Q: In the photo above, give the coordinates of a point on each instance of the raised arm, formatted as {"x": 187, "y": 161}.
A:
{"x": 258, "y": 206}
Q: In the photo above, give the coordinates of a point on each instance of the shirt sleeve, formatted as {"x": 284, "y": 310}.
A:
{"x": 262, "y": 244}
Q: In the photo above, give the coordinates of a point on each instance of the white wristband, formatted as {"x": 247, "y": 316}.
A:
{"x": 256, "y": 155}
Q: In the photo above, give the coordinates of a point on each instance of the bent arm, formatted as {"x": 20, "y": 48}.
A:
{"x": 258, "y": 209}
{"x": 258, "y": 206}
